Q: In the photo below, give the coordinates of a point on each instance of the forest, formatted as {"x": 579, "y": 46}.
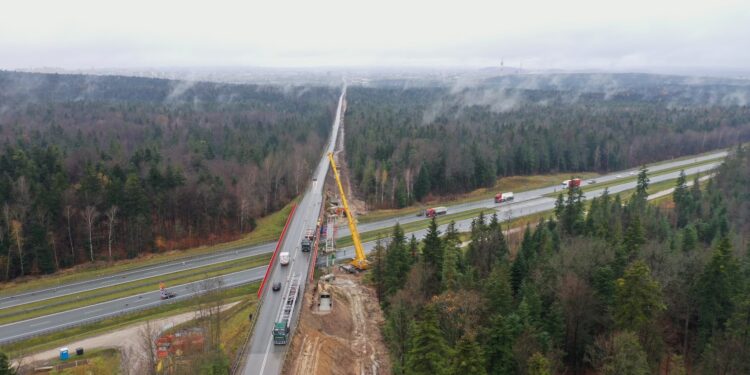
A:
{"x": 96, "y": 168}
{"x": 407, "y": 144}
{"x": 617, "y": 286}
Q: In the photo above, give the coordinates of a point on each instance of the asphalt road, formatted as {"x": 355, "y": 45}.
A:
{"x": 529, "y": 206}
{"x": 140, "y": 273}
{"x": 534, "y": 194}
{"x": 263, "y": 357}
{"x": 48, "y": 323}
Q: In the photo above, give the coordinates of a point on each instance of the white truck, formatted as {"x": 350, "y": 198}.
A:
{"x": 284, "y": 258}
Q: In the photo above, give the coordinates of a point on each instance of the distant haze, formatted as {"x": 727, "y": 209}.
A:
{"x": 626, "y": 35}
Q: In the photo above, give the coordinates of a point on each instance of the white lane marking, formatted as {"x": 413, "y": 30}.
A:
{"x": 38, "y": 324}
{"x": 265, "y": 357}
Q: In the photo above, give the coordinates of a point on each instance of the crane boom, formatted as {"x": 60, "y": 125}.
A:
{"x": 360, "y": 261}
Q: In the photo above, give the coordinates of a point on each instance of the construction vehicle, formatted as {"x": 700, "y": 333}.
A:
{"x": 359, "y": 261}
{"x": 503, "y": 197}
{"x": 281, "y": 326}
{"x": 325, "y": 301}
{"x": 435, "y": 211}
{"x": 164, "y": 293}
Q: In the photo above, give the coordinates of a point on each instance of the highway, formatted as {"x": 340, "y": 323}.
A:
{"x": 91, "y": 313}
{"x": 140, "y": 273}
{"x": 537, "y": 193}
{"x": 535, "y": 204}
{"x": 263, "y": 357}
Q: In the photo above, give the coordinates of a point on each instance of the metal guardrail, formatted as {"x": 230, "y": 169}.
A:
{"x": 241, "y": 355}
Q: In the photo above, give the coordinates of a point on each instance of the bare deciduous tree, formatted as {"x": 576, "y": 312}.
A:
{"x": 147, "y": 336}
{"x": 90, "y": 214}
{"x": 70, "y": 233}
{"x": 6, "y": 213}
{"x": 111, "y": 220}
{"x": 16, "y": 230}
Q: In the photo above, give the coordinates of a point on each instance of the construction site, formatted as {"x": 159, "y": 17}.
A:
{"x": 339, "y": 329}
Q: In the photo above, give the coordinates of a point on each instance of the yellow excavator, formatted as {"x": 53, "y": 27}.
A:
{"x": 359, "y": 261}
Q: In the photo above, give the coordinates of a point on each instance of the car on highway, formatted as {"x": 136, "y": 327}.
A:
{"x": 276, "y": 286}
{"x": 167, "y": 295}
{"x": 618, "y": 176}
{"x": 632, "y": 173}
{"x": 284, "y": 258}
{"x": 591, "y": 181}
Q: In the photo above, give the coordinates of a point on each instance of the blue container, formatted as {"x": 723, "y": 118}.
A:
{"x": 63, "y": 354}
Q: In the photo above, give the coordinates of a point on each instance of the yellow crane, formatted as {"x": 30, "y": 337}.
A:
{"x": 359, "y": 261}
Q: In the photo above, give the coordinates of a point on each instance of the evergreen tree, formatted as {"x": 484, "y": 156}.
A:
{"x": 641, "y": 187}
{"x": 422, "y": 185}
{"x": 429, "y": 353}
{"x": 39, "y": 246}
{"x": 498, "y": 348}
{"x": 538, "y": 364}
{"x": 468, "y": 357}
{"x": 498, "y": 290}
{"x": 399, "y": 326}
{"x": 378, "y": 270}
{"x": 689, "y": 238}
{"x": 450, "y": 272}
{"x": 634, "y": 237}
{"x": 681, "y": 198}
{"x": 718, "y": 286}
{"x": 397, "y": 263}
{"x": 432, "y": 252}
{"x": 638, "y": 299}
{"x": 413, "y": 249}
{"x": 626, "y": 357}
{"x": 5, "y": 367}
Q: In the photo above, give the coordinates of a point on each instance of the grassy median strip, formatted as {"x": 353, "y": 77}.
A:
{"x": 422, "y": 224}
{"x": 414, "y": 226}
{"x": 63, "y": 337}
{"x": 268, "y": 230}
{"x": 511, "y": 183}
{"x": 64, "y": 303}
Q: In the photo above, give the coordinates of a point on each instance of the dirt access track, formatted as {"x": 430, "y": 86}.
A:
{"x": 346, "y": 340}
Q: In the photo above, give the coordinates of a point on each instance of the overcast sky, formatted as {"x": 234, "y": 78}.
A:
{"x": 549, "y": 34}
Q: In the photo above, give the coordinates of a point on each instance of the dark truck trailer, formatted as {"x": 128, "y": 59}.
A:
{"x": 307, "y": 240}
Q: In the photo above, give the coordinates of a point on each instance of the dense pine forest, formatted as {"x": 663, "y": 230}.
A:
{"x": 406, "y": 143}
{"x": 619, "y": 286}
{"x": 103, "y": 168}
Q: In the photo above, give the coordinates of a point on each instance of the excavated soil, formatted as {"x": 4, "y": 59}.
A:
{"x": 346, "y": 340}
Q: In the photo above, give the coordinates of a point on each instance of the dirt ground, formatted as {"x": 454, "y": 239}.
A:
{"x": 346, "y": 340}
{"x": 125, "y": 339}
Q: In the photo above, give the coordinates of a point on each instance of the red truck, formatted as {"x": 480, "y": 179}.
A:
{"x": 503, "y": 197}
{"x": 435, "y": 211}
{"x": 576, "y": 182}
